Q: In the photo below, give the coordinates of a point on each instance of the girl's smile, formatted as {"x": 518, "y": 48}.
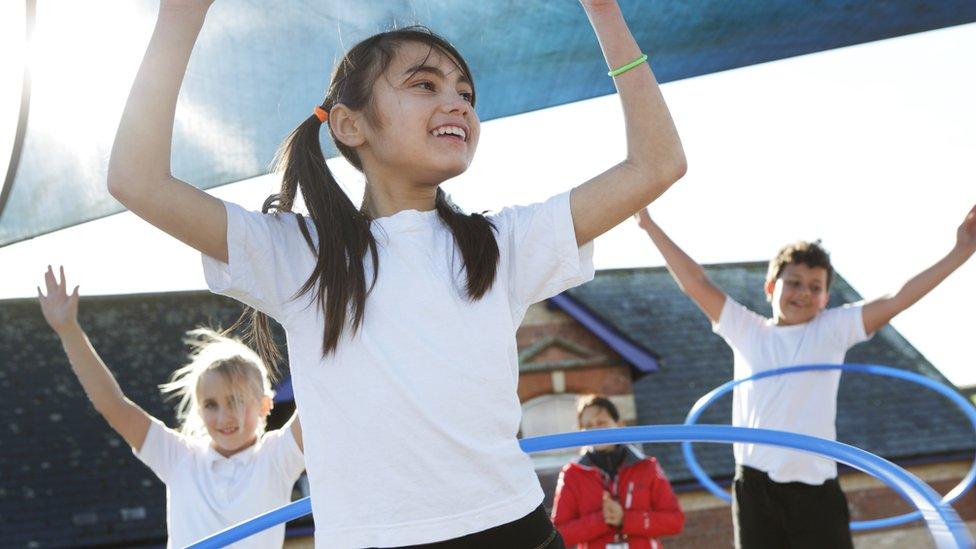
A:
{"x": 422, "y": 90}
{"x": 232, "y": 419}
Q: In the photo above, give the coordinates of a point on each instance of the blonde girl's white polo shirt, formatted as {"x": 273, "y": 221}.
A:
{"x": 207, "y": 492}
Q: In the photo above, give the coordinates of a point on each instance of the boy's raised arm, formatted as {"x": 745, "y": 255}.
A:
{"x": 60, "y": 310}
{"x": 880, "y": 311}
{"x": 689, "y": 275}
{"x": 654, "y": 158}
{"x": 139, "y": 169}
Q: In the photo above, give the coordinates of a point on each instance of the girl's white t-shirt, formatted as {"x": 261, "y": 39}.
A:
{"x": 410, "y": 426}
{"x": 805, "y": 402}
{"x": 207, "y": 492}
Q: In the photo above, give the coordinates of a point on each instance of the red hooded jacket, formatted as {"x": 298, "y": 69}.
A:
{"x": 650, "y": 506}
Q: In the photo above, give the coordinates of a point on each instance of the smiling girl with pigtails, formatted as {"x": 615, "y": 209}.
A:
{"x": 400, "y": 314}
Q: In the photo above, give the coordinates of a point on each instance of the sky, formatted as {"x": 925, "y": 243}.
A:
{"x": 871, "y": 148}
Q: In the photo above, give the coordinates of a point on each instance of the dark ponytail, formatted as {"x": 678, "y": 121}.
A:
{"x": 474, "y": 237}
{"x": 338, "y": 282}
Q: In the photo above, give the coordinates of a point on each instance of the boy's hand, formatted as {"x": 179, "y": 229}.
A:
{"x": 966, "y": 235}
{"x": 60, "y": 309}
{"x": 644, "y": 219}
{"x": 613, "y": 513}
{"x": 879, "y": 312}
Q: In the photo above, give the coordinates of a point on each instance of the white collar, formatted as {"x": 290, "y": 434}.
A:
{"x": 240, "y": 458}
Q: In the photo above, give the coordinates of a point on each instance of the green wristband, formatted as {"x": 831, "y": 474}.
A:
{"x": 620, "y": 70}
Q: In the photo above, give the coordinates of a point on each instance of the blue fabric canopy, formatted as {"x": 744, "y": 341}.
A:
{"x": 260, "y": 67}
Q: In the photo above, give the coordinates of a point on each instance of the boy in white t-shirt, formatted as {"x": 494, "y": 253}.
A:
{"x": 785, "y": 498}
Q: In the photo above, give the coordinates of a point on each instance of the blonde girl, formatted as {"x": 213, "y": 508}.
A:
{"x": 221, "y": 467}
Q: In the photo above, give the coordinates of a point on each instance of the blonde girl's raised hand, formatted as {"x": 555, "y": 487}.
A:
{"x": 60, "y": 309}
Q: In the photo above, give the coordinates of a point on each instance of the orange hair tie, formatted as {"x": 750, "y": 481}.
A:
{"x": 321, "y": 114}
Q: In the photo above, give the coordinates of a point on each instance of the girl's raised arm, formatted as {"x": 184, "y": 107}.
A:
{"x": 655, "y": 158}
{"x": 139, "y": 170}
{"x": 60, "y": 310}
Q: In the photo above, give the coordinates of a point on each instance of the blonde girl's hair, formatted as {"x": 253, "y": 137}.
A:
{"x": 228, "y": 357}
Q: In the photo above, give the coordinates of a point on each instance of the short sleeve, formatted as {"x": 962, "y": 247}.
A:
{"x": 284, "y": 453}
{"x": 268, "y": 260}
{"x": 162, "y": 450}
{"x": 539, "y": 253}
{"x": 845, "y": 325}
{"x": 737, "y": 324}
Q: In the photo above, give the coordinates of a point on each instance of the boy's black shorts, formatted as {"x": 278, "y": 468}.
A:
{"x": 774, "y": 515}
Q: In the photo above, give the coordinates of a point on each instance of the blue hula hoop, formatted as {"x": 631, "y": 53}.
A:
{"x": 947, "y": 529}
{"x": 709, "y": 398}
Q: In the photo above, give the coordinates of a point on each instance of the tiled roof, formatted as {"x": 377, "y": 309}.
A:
{"x": 892, "y": 418}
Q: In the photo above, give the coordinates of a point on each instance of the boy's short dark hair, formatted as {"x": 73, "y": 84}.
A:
{"x": 600, "y": 401}
{"x": 811, "y": 254}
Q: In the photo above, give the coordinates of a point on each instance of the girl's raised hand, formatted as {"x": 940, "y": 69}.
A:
{"x": 597, "y": 4}
{"x": 966, "y": 235}
{"x": 199, "y": 4}
{"x": 59, "y": 308}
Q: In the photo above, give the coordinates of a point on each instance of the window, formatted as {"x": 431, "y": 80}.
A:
{"x": 547, "y": 415}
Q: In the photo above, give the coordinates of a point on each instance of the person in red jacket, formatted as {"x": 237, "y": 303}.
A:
{"x": 613, "y": 497}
